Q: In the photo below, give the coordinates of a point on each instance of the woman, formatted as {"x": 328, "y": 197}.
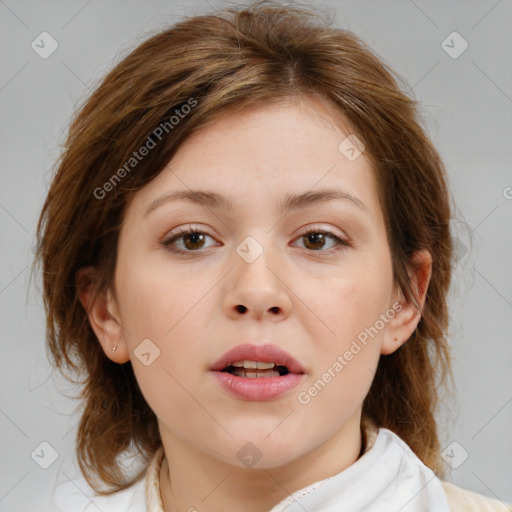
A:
{"x": 246, "y": 252}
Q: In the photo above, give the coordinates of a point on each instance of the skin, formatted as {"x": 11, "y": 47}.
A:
{"x": 310, "y": 298}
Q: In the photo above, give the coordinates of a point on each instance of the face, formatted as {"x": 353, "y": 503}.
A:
{"x": 312, "y": 277}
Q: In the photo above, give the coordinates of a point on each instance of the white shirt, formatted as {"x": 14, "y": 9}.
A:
{"x": 388, "y": 477}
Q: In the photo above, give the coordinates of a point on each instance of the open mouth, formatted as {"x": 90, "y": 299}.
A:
{"x": 256, "y": 369}
{"x": 260, "y": 372}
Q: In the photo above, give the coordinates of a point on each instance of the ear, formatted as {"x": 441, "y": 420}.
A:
{"x": 407, "y": 316}
{"x": 103, "y": 317}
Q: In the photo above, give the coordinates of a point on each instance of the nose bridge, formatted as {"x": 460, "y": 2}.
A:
{"x": 255, "y": 263}
{"x": 256, "y": 287}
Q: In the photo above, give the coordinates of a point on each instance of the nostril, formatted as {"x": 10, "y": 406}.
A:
{"x": 241, "y": 309}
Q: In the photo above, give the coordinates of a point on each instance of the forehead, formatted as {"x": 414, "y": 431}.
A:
{"x": 266, "y": 152}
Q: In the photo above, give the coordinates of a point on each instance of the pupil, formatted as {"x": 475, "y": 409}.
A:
{"x": 194, "y": 237}
{"x": 316, "y": 238}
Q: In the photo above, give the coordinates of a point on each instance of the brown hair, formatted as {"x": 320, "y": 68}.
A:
{"x": 218, "y": 64}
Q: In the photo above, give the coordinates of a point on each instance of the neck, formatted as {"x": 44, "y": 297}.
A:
{"x": 195, "y": 481}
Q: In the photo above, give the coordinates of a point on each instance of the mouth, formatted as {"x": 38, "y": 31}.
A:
{"x": 257, "y": 372}
{"x": 255, "y": 361}
{"x": 256, "y": 369}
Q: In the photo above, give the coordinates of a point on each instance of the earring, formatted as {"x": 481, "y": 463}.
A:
{"x": 114, "y": 349}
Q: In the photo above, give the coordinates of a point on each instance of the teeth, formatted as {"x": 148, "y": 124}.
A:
{"x": 253, "y": 365}
{"x": 255, "y": 375}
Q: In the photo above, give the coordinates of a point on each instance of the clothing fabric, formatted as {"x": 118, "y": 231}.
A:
{"x": 388, "y": 477}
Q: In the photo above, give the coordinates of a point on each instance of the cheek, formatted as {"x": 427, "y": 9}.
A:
{"x": 345, "y": 362}
{"x": 157, "y": 300}
{"x": 340, "y": 309}
{"x": 347, "y": 330}
{"x": 166, "y": 307}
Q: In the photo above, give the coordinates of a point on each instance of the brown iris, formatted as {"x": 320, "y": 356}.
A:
{"x": 316, "y": 240}
{"x": 196, "y": 240}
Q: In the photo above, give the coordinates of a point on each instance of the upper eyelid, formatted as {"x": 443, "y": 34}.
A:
{"x": 189, "y": 229}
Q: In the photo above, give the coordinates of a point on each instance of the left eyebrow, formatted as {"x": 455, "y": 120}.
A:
{"x": 297, "y": 201}
{"x": 291, "y": 202}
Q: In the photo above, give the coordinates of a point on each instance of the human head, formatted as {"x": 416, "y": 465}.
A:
{"x": 245, "y": 58}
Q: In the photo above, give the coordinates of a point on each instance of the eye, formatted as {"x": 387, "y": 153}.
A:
{"x": 315, "y": 240}
{"x": 192, "y": 240}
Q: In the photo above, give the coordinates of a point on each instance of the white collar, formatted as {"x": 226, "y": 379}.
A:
{"x": 388, "y": 476}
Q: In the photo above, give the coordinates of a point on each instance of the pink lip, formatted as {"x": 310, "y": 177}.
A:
{"x": 262, "y": 389}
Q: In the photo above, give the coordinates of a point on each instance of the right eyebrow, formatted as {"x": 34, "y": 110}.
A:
{"x": 200, "y": 197}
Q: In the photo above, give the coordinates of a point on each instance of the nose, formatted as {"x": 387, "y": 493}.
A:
{"x": 258, "y": 290}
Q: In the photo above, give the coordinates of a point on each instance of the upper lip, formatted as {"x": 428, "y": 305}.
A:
{"x": 266, "y": 353}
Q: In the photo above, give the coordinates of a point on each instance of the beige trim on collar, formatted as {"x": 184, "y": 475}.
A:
{"x": 153, "y": 496}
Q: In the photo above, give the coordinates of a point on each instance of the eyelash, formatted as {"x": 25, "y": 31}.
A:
{"x": 168, "y": 242}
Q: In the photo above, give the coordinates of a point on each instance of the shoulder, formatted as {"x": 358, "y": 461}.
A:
{"x": 71, "y": 493}
{"x": 462, "y": 500}
{"x": 76, "y": 496}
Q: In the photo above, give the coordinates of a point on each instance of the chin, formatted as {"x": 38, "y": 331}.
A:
{"x": 260, "y": 452}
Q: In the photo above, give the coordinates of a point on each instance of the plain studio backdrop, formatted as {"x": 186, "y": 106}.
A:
{"x": 456, "y": 58}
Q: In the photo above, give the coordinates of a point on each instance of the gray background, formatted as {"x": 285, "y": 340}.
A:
{"x": 467, "y": 104}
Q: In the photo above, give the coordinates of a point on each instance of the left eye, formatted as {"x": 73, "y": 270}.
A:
{"x": 314, "y": 240}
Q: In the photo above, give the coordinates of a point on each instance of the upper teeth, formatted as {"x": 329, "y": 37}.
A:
{"x": 253, "y": 365}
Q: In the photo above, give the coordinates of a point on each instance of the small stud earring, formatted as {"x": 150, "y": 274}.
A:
{"x": 114, "y": 349}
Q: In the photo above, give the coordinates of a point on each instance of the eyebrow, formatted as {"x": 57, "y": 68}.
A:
{"x": 214, "y": 200}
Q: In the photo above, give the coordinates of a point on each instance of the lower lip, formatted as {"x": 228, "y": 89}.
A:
{"x": 262, "y": 389}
